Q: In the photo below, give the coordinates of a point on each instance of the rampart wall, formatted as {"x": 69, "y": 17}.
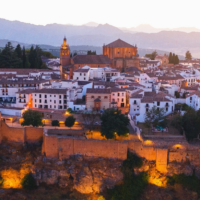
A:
{"x": 62, "y": 147}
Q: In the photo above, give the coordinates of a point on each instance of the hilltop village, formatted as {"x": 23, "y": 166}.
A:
{"x": 153, "y": 96}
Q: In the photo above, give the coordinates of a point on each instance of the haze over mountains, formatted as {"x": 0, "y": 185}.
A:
{"x": 145, "y": 36}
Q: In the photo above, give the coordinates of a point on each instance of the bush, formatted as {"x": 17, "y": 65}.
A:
{"x": 190, "y": 182}
{"x": 69, "y": 110}
{"x": 132, "y": 161}
{"x": 69, "y": 121}
{"x": 55, "y": 123}
{"x": 132, "y": 186}
{"x": 28, "y": 182}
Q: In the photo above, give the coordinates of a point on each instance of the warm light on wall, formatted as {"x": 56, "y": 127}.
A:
{"x": 148, "y": 142}
{"x": 12, "y": 178}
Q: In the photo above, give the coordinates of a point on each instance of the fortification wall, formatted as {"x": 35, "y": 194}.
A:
{"x": 12, "y": 134}
{"x": 63, "y": 147}
{"x": 33, "y": 134}
{"x": 20, "y": 135}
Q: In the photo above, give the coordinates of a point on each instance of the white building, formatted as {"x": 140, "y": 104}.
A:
{"x": 140, "y": 102}
{"x": 193, "y": 100}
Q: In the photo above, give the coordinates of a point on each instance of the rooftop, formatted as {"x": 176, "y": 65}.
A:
{"x": 119, "y": 43}
{"x": 91, "y": 59}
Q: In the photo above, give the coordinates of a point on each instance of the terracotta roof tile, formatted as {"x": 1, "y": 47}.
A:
{"x": 119, "y": 43}
{"x": 91, "y": 59}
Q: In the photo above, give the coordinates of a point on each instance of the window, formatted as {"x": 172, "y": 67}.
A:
{"x": 113, "y": 100}
{"x": 167, "y": 109}
{"x": 190, "y": 98}
{"x": 50, "y": 100}
{"x": 99, "y": 97}
{"x": 40, "y": 95}
{"x": 35, "y": 100}
{"x": 113, "y": 94}
{"x": 84, "y": 78}
{"x": 158, "y": 103}
{"x": 50, "y": 95}
{"x": 54, "y": 106}
{"x": 65, "y": 107}
{"x": 135, "y": 102}
{"x": 35, "y": 95}
{"x": 92, "y": 97}
{"x": 35, "y": 105}
{"x": 80, "y": 74}
{"x": 50, "y": 106}
{"x": 122, "y": 100}
{"x": 54, "y": 101}
{"x": 40, "y": 100}
{"x": 65, "y": 96}
{"x": 118, "y": 94}
{"x": 65, "y": 101}
{"x": 147, "y": 109}
{"x": 105, "y": 97}
{"x": 45, "y": 96}
{"x": 45, "y": 101}
{"x": 84, "y": 74}
{"x": 60, "y": 102}
{"x": 59, "y": 96}
{"x": 77, "y": 78}
{"x": 54, "y": 95}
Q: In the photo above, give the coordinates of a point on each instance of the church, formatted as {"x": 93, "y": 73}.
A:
{"x": 117, "y": 54}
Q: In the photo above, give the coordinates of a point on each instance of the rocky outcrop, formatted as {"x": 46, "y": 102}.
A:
{"x": 86, "y": 176}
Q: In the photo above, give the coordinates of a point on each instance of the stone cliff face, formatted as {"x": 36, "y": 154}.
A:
{"x": 85, "y": 175}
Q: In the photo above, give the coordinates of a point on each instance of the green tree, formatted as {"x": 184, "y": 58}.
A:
{"x": 32, "y": 117}
{"x": 69, "y": 121}
{"x": 25, "y": 62}
{"x": 113, "y": 122}
{"x": 152, "y": 56}
{"x": 28, "y": 182}
{"x": 18, "y": 51}
{"x": 91, "y": 52}
{"x": 188, "y": 55}
{"x": 55, "y": 123}
{"x": 155, "y": 116}
{"x": 8, "y": 58}
{"x": 177, "y": 94}
{"x": 170, "y": 57}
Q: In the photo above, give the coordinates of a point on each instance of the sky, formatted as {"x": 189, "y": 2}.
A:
{"x": 119, "y": 13}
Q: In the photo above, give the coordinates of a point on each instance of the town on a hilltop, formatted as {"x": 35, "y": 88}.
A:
{"x": 98, "y": 124}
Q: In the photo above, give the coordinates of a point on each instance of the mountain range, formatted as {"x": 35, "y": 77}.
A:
{"x": 94, "y": 34}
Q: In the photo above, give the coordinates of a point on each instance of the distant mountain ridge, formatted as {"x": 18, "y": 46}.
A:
{"x": 52, "y": 34}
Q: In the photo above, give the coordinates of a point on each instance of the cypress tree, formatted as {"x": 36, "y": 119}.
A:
{"x": 18, "y": 51}
{"x": 170, "y": 57}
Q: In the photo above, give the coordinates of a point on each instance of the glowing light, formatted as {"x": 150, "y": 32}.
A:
{"x": 12, "y": 178}
{"x": 148, "y": 142}
{"x": 66, "y": 113}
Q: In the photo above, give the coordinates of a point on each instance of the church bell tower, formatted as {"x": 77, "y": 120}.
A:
{"x": 64, "y": 53}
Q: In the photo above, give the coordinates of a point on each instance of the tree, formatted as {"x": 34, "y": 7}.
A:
{"x": 28, "y": 182}
{"x": 69, "y": 121}
{"x": 18, "y": 51}
{"x": 89, "y": 119}
{"x": 32, "y": 117}
{"x": 114, "y": 123}
{"x": 55, "y": 123}
{"x": 170, "y": 57}
{"x": 177, "y": 94}
{"x": 189, "y": 122}
{"x": 152, "y": 56}
{"x": 25, "y": 62}
{"x": 9, "y": 58}
{"x": 155, "y": 117}
{"x": 188, "y": 55}
{"x": 91, "y": 52}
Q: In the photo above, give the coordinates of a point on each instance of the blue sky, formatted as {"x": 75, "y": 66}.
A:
{"x": 126, "y": 13}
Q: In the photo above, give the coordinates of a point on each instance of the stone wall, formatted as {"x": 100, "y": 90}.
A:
{"x": 62, "y": 147}
{"x": 20, "y": 135}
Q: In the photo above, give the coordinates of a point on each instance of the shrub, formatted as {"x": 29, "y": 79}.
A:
{"x": 55, "y": 123}
{"x": 132, "y": 186}
{"x": 28, "y": 182}
{"x": 190, "y": 182}
{"x": 69, "y": 110}
{"x": 69, "y": 121}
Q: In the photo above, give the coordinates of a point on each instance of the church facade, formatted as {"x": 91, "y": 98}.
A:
{"x": 122, "y": 54}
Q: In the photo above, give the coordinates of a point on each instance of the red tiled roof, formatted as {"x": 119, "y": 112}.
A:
{"x": 98, "y": 91}
{"x": 119, "y": 43}
{"x": 91, "y": 59}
